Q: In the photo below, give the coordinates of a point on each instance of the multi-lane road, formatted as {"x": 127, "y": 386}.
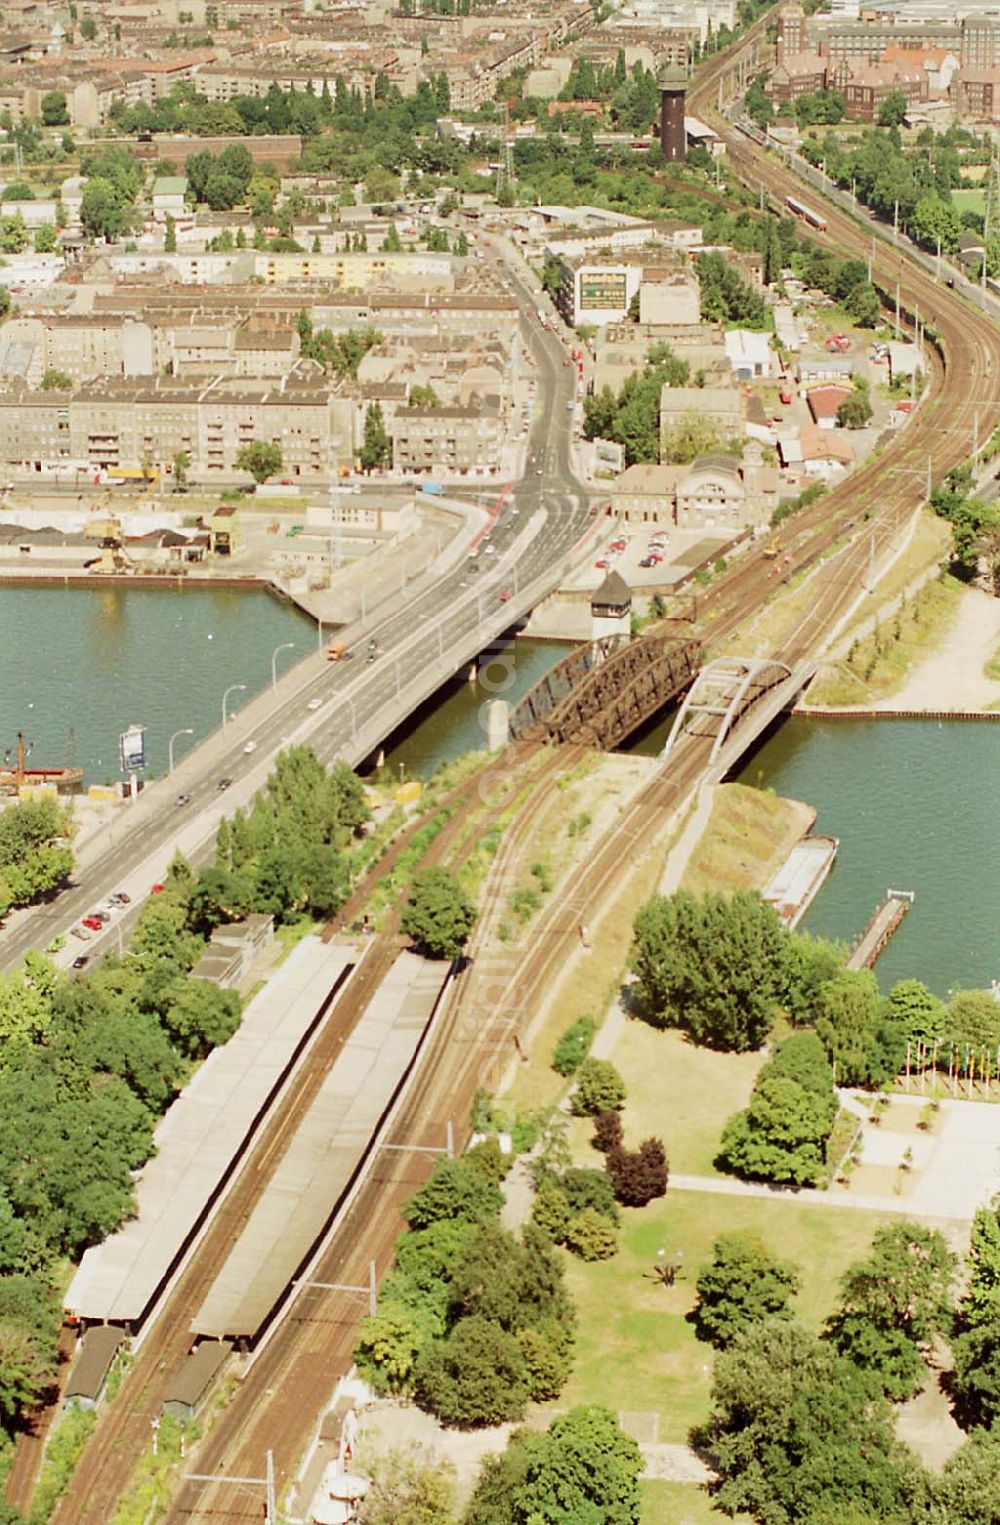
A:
{"x": 346, "y": 708}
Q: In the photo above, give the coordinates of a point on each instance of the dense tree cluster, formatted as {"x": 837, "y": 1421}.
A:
{"x": 288, "y": 854}
{"x": 726, "y": 297}
{"x": 632, "y": 415}
{"x": 472, "y": 1320}
{"x": 715, "y": 965}
{"x": 976, "y": 1343}
{"x": 220, "y": 180}
{"x": 782, "y": 1135}
{"x": 975, "y": 526}
{"x": 35, "y": 856}
{"x": 577, "y": 1207}
{"x": 112, "y": 183}
{"x": 340, "y": 354}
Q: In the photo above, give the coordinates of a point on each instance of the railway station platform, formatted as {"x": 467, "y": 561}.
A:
{"x": 323, "y": 1156}
{"x": 201, "y": 1139}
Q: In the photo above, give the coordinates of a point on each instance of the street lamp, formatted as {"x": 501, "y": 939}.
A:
{"x": 232, "y": 689}
{"x": 187, "y": 730}
{"x": 285, "y": 646}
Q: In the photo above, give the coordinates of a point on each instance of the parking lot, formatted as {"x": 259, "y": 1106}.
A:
{"x": 681, "y": 551}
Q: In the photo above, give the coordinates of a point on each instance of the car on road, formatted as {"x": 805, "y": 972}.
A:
{"x": 314, "y": 704}
{"x": 109, "y": 907}
{"x": 183, "y": 799}
{"x": 602, "y": 564}
{"x": 82, "y": 933}
{"x": 649, "y": 561}
{"x": 120, "y": 898}
{"x": 251, "y": 746}
{"x": 223, "y": 783}
{"x": 490, "y": 550}
{"x": 81, "y": 961}
{"x": 505, "y": 596}
{"x": 92, "y": 923}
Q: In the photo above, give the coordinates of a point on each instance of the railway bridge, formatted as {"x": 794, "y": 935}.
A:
{"x": 603, "y": 692}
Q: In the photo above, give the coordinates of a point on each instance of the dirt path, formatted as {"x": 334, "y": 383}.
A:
{"x": 952, "y": 677}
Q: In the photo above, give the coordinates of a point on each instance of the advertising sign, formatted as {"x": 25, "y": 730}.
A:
{"x": 132, "y": 745}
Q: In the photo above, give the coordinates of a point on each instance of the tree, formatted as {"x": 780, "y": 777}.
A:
{"x": 23, "y": 1372}
{"x": 783, "y": 1133}
{"x": 584, "y": 1469}
{"x": 181, "y": 463}
{"x": 456, "y": 1190}
{"x": 551, "y": 1211}
{"x": 476, "y": 1376}
{"x": 742, "y": 1285}
{"x": 969, "y": 1490}
{"x": 714, "y": 965}
{"x": 796, "y": 1435}
{"x": 599, "y": 1088}
{"x": 376, "y": 446}
{"x": 88, "y": 28}
{"x": 893, "y": 1303}
{"x": 46, "y": 241}
{"x": 169, "y": 235}
{"x": 392, "y": 243}
{"x": 438, "y": 915}
{"x": 423, "y": 397}
{"x": 976, "y": 1344}
{"x": 638, "y": 1176}
{"x": 916, "y": 1011}
{"x": 591, "y": 1236}
{"x": 56, "y": 381}
{"x": 607, "y": 1131}
{"x": 222, "y": 191}
{"x": 974, "y": 1021}
{"x": 408, "y": 1487}
{"x": 262, "y": 458}
{"x": 855, "y": 411}
{"x": 893, "y": 109}
{"x": 13, "y": 234}
{"x": 53, "y": 108}
{"x": 201, "y": 1016}
{"x": 102, "y": 212}
{"x": 864, "y": 1047}
{"x": 387, "y": 1347}
{"x": 573, "y": 1046}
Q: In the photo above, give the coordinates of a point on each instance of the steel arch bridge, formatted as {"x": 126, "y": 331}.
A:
{"x": 721, "y": 695}
{"x": 600, "y": 694}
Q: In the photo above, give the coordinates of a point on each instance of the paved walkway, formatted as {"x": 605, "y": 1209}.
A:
{"x": 908, "y": 1207}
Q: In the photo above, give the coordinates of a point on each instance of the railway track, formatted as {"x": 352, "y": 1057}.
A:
{"x": 123, "y": 1432}
{"x": 280, "y": 1400}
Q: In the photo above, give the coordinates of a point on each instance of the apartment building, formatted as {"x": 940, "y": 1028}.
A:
{"x": 447, "y": 440}
{"x": 133, "y": 422}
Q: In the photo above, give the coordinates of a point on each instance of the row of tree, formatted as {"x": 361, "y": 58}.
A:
{"x": 35, "y": 855}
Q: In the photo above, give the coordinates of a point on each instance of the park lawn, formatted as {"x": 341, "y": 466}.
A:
{"x": 682, "y": 1504}
{"x": 676, "y": 1091}
{"x": 969, "y": 201}
{"x": 636, "y": 1352}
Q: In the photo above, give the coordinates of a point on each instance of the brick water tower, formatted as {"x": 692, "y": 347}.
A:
{"x": 673, "y": 138}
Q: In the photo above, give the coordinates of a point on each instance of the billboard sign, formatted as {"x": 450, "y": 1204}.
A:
{"x": 132, "y": 746}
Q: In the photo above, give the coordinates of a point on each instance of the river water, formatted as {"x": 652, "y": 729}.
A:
{"x": 82, "y": 664}
{"x": 914, "y": 803}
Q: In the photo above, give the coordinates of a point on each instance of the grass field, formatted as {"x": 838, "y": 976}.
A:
{"x": 682, "y": 1504}
{"x": 969, "y": 201}
{"x": 878, "y": 665}
{"x": 681, "y": 1093}
{"x": 749, "y": 835}
{"x": 636, "y": 1351}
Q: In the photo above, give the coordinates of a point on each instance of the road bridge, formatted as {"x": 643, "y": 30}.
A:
{"x": 602, "y": 693}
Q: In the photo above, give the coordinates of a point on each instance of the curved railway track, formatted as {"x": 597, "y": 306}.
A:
{"x": 280, "y": 1400}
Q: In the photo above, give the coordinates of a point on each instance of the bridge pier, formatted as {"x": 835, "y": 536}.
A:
{"x": 497, "y": 724}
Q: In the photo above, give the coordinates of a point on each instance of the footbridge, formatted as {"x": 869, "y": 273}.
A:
{"x": 601, "y": 693}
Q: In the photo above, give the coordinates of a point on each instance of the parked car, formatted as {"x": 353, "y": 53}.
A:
{"x": 251, "y": 746}
{"x": 183, "y": 799}
{"x": 120, "y": 898}
{"x": 603, "y": 564}
{"x": 82, "y": 933}
{"x": 223, "y": 783}
{"x": 81, "y": 961}
{"x": 314, "y": 704}
{"x": 92, "y": 923}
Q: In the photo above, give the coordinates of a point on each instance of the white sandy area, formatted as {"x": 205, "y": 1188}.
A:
{"x": 952, "y": 677}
